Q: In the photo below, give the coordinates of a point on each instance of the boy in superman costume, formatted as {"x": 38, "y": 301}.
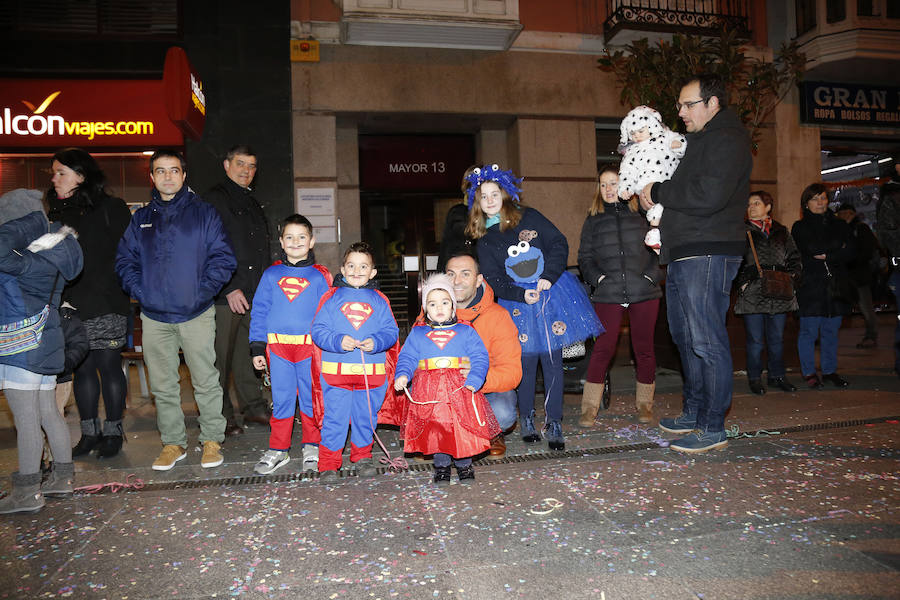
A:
{"x": 353, "y": 317}
{"x": 284, "y": 305}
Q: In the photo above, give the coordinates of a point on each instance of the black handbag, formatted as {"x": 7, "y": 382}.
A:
{"x": 777, "y": 285}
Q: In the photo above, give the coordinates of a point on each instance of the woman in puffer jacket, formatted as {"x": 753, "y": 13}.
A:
{"x": 625, "y": 275}
{"x": 764, "y": 317}
{"x": 36, "y": 260}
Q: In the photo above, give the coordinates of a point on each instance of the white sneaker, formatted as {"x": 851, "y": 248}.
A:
{"x": 310, "y": 457}
{"x": 271, "y": 460}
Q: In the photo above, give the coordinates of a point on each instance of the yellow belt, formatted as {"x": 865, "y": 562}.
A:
{"x": 335, "y": 368}
{"x": 284, "y": 338}
{"x": 445, "y": 362}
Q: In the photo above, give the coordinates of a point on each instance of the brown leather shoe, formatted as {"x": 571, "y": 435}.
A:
{"x": 258, "y": 419}
{"x": 498, "y": 447}
{"x": 233, "y": 428}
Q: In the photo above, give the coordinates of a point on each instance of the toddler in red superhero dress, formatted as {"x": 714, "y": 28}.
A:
{"x": 447, "y": 362}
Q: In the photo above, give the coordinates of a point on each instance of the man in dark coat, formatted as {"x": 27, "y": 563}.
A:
{"x": 703, "y": 240}
{"x": 862, "y": 270}
{"x": 248, "y": 229}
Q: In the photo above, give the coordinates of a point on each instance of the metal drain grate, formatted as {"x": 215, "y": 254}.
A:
{"x": 524, "y": 458}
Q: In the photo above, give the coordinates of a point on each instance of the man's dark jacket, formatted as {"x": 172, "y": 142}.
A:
{"x": 248, "y": 230}
{"x": 706, "y": 198}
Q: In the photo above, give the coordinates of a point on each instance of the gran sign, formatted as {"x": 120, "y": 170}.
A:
{"x": 91, "y": 113}
{"x": 850, "y": 104}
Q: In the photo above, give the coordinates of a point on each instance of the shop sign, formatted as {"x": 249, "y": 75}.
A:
{"x": 91, "y": 113}
{"x": 185, "y": 100}
{"x": 420, "y": 163}
{"x": 826, "y": 103}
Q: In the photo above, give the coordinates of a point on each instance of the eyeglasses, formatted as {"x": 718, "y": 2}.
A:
{"x": 679, "y": 105}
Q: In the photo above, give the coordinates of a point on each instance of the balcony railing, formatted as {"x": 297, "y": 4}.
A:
{"x": 702, "y": 17}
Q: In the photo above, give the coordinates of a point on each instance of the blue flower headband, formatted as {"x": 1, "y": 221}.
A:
{"x": 507, "y": 180}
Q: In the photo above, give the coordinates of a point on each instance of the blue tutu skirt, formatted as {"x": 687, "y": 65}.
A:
{"x": 563, "y": 315}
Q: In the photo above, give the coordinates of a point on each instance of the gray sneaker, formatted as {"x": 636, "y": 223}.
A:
{"x": 271, "y": 460}
{"x": 310, "y": 457}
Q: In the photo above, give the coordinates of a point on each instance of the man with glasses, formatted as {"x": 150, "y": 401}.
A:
{"x": 173, "y": 259}
{"x": 703, "y": 240}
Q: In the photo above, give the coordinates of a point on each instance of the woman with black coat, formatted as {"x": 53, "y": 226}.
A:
{"x": 826, "y": 247}
{"x": 78, "y": 198}
{"x": 625, "y": 275}
{"x": 764, "y": 316}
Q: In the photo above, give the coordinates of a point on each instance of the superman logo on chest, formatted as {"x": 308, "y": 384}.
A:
{"x": 357, "y": 313}
{"x": 292, "y": 286}
{"x": 441, "y": 337}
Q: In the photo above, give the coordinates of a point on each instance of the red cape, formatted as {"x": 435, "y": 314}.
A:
{"x": 392, "y": 408}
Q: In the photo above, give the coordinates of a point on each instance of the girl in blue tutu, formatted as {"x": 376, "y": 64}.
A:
{"x": 523, "y": 257}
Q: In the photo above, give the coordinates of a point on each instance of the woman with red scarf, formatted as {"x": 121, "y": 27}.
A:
{"x": 764, "y": 317}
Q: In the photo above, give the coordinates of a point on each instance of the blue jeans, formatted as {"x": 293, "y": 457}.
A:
{"x": 810, "y": 327}
{"x": 894, "y": 285}
{"x": 765, "y": 330}
{"x": 698, "y": 294}
{"x": 504, "y": 406}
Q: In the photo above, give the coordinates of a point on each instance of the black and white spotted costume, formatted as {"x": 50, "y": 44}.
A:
{"x": 649, "y": 161}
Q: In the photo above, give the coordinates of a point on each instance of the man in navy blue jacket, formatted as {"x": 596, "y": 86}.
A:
{"x": 173, "y": 259}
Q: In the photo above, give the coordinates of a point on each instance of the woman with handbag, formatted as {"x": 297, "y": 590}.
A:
{"x": 36, "y": 259}
{"x": 78, "y": 198}
{"x": 625, "y": 276}
{"x": 766, "y": 284}
{"x": 826, "y": 247}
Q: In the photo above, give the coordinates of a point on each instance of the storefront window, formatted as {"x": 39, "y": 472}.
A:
{"x": 126, "y": 175}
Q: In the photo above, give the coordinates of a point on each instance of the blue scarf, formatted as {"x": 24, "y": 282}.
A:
{"x": 490, "y": 221}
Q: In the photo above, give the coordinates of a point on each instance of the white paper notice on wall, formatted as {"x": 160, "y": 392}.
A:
{"x": 315, "y": 201}
{"x": 324, "y": 228}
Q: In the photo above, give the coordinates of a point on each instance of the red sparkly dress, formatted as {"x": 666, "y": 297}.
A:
{"x": 443, "y": 416}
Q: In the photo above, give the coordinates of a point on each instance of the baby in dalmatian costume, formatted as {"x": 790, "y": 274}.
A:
{"x": 651, "y": 153}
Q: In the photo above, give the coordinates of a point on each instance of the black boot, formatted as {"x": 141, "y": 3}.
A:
{"x": 85, "y": 445}
{"x": 109, "y": 446}
{"x": 466, "y": 474}
{"x": 111, "y": 441}
{"x": 782, "y": 383}
{"x": 442, "y": 475}
{"x": 756, "y": 387}
{"x": 90, "y": 437}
